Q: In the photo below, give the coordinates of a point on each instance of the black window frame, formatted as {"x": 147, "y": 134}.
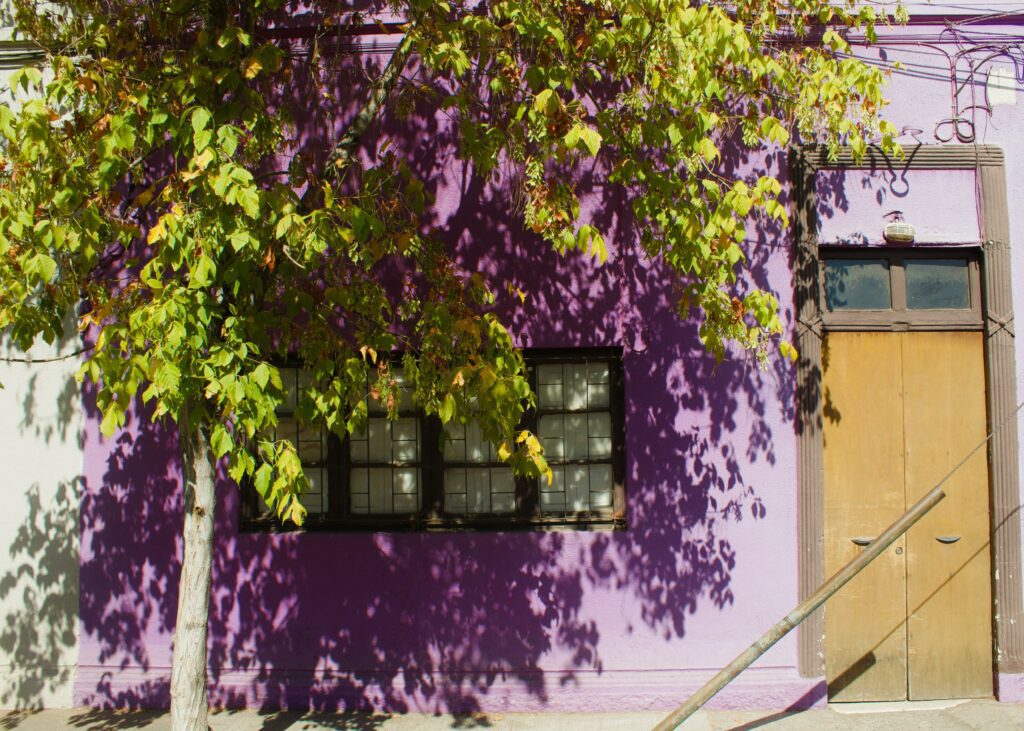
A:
{"x": 431, "y": 516}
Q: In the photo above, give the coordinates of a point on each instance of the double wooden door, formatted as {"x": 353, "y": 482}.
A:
{"x": 901, "y": 409}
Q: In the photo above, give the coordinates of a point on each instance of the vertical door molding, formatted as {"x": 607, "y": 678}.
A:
{"x": 1002, "y": 401}
{"x": 810, "y": 442}
{"x": 1001, "y": 394}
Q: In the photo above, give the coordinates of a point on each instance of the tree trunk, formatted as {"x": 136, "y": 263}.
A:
{"x": 188, "y": 674}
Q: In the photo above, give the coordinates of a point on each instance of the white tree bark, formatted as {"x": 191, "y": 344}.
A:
{"x": 188, "y": 674}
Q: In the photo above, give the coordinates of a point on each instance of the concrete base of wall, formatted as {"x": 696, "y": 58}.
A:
{"x": 1010, "y": 688}
{"x": 530, "y": 691}
{"x": 36, "y": 687}
{"x": 974, "y": 714}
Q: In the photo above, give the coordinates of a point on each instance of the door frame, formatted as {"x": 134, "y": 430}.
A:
{"x": 1000, "y": 370}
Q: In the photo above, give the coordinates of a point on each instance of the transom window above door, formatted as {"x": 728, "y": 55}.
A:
{"x": 900, "y": 289}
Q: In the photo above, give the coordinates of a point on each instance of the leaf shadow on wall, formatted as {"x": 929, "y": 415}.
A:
{"x": 399, "y": 622}
{"x": 38, "y": 634}
{"x": 693, "y": 426}
{"x": 455, "y": 622}
{"x": 315, "y": 621}
{"x": 39, "y": 566}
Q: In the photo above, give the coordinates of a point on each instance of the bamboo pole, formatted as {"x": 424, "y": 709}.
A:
{"x": 805, "y": 608}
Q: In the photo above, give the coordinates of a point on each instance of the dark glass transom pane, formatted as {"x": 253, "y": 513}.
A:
{"x": 857, "y": 284}
{"x": 937, "y": 284}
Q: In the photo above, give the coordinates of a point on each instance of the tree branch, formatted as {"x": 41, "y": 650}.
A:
{"x": 343, "y": 152}
{"x": 54, "y": 359}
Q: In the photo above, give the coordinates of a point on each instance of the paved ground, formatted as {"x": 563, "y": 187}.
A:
{"x": 987, "y": 715}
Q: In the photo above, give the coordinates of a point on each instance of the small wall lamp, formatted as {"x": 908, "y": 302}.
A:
{"x": 898, "y": 231}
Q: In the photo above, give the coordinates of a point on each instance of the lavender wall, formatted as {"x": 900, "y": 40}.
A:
{"x": 942, "y": 205}
{"x": 564, "y": 620}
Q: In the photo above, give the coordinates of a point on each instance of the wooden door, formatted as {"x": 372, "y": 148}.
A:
{"x": 901, "y": 410}
{"x": 865, "y": 625}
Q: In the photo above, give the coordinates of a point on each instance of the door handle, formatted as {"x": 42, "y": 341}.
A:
{"x": 947, "y": 539}
{"x": 862, "y": 540}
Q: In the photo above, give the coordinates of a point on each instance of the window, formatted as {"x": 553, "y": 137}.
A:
{"x": 900, "y": 289}
{"x": 385, "y": 472}
{"x": 410, "y": 473}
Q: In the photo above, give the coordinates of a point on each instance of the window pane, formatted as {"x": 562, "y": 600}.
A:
{"x": 385, "y": 490}
{"x": 466, "y": 443}
{"x": 309, "y": 441}
{"x": 385, "y": 478}
{"x": 313, "y": 499}
{"x": 386, "y": 441}
{"x": 573, "y": 386}
{"x": 934, "y": 284}
{"x": 575, "y": 428}
{"x": 289, "y": 379}
{"x": 475, "y": 490}
{"x": 479, "y": 490}
{"x": 857, "y": 284}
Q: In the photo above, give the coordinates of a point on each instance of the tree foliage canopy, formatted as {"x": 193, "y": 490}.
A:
{"x": 141, "y": 188}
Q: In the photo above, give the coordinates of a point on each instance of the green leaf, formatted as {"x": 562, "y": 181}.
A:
{"x": 26, "y": 77}
{"x": 113, "y": 418}
{"x": 202, "y": 137}
{"x": 249, "y": 200}
{"x": 261, "y": 374}
{"x": 592, "y": 139}
{"x": 284, "y": 226}
{"x": 202, "y": 272}
{"x": 7, "y": 120}
{"x": 220, "y": 441}
{"x": 708, "y": 150}
{"x": 447, "y": 409}
{"x": 201, "y": 119}
{"x": 42, "y": 266}
{"x": 547, "y": 102}
{"x": 261, "y": 480}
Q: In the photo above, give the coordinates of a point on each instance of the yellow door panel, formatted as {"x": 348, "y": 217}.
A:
{"x": 949, "y": 627}
{"x": 865, "y": 628}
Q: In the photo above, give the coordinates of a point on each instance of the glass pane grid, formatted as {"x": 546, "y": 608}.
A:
{"x": 386, "y": 460}
{"x": 310, "y": 441}
{"x": 573, "y": 386}
{"x": 386, "y": 477}
{"x": 387, "y": 442}
{"x": 479, "y": 490}
{"x": 385, "y": 490}
{"x": 475, "y": 480}
{"x": 574, "y": 425}
{"x": 903, "y": 284}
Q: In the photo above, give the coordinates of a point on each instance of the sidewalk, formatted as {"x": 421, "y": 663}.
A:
{"x": 987, "y": 715}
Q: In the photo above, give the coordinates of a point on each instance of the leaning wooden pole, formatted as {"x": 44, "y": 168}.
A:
{"x": 830, "y": 587}
{"x": 804, "y": 609}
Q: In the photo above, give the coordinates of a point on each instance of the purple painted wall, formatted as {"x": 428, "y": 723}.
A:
{"x": 563, "y": 620}
{"x": 942, "y": 205}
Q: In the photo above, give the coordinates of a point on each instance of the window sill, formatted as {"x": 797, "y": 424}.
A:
{"x": 378, "y": 524}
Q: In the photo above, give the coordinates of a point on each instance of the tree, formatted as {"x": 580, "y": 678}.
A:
{"x": 147, "y": 187}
